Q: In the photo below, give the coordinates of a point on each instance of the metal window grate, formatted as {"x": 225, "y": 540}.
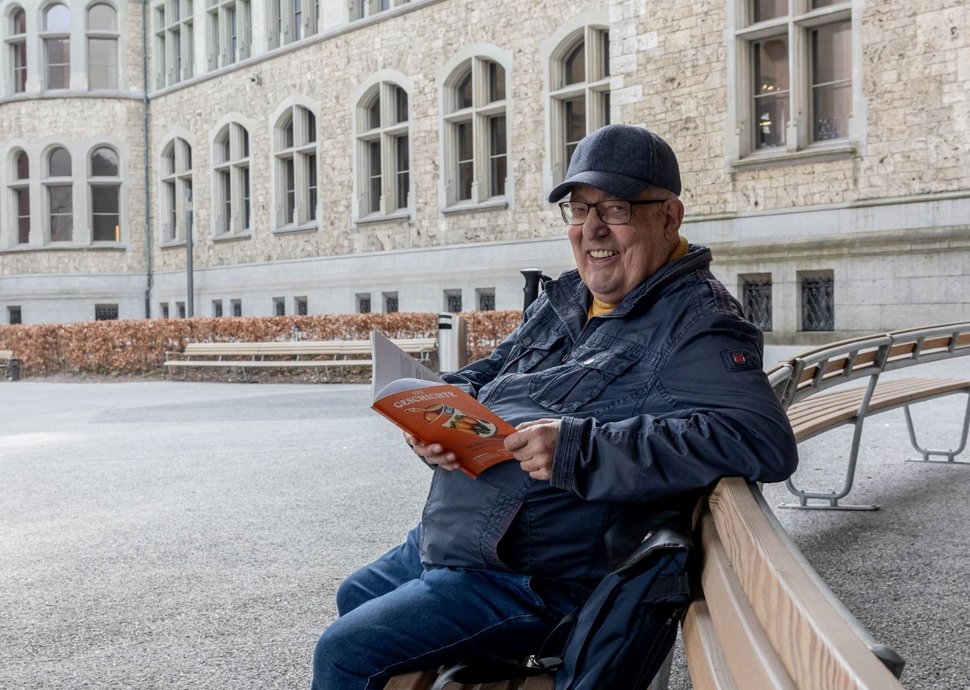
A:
{"x": 486, "y": 301}
{"x": 14, "y": 315}
{"x": 454, "y": 302}
{"x": 756, "y": 301}
{"x": 818, "y": 304}
{"x": 363, "y": 305}
{"x": 105, "y": 312}
{"x": 391, "y": 304}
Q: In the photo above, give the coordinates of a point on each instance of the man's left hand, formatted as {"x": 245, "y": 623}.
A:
{"x": 534, "y": 446}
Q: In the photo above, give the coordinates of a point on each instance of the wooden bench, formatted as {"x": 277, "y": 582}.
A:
{"x": 289, "y": 354}
{"x": 762, "y": 618}
{"x": 813, "y": 411}
{"x": 7, "y": 363}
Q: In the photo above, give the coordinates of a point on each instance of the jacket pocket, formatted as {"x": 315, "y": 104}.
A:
{"x": 533, "y": 353}
{"x": 582, "y": 378}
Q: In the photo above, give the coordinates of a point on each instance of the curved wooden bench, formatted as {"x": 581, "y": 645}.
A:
{"x": 812, "y": 410}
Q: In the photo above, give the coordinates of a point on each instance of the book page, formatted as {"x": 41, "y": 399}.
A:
{"x": 392, "y": 363}
{"x": 445, "y": 414}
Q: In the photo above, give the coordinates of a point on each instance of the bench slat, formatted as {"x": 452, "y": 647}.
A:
{"x": 706, "y": 662}
{"x": 753, "y": 662}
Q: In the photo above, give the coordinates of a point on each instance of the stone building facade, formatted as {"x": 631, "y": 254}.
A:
{"x": 385, "y": 155}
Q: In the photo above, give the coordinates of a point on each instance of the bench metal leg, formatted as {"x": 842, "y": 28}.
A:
{"x": 830, "y": 500}
{"x": 950, "y": 455}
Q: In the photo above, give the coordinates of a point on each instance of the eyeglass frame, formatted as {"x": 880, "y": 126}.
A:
{"x": 565, "y": 206}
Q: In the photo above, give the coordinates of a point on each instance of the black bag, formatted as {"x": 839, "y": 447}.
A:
{"x": 619, "y": 638}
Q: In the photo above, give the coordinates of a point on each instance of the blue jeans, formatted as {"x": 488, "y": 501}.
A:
{"x": 396, "y": 616}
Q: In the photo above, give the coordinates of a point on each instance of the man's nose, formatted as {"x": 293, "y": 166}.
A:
{"x": 594, "y": 226}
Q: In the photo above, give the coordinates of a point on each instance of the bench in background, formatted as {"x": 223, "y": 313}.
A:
{"x": 314, "y": 354}
{"x": 813, "y": 408}
{"x": 9, "y": 365}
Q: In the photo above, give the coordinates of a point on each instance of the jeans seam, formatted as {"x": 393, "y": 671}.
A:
{"x": 388, "y": 668}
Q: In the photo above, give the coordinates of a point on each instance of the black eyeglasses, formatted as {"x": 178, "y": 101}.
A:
{"x": 611, "y": 212}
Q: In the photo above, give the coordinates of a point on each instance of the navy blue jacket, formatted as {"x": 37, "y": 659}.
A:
{"x": 658, "y": 400}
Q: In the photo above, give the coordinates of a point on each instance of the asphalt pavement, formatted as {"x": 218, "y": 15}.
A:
{"x": 186, "y": 535}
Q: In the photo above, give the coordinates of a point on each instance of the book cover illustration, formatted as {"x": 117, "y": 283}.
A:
{"x": 442, "y": 413}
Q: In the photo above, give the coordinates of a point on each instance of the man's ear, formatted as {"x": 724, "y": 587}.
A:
{"x": 673, "y": 217}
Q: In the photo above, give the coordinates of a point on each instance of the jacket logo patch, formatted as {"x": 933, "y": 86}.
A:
{"x": 737, "y": 360}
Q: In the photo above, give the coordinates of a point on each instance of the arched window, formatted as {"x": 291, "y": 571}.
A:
{"x": 476, "y": 143}
{"x": 102, "y": 47}
{"x": 176, "y": 189}
{"x": 231, "y": 203}
{"x": 580, "y": 97}
{"x": 20, "y": 195}
{"x": 60, "y": 195}
{"x": 383, "y": 174}
{"x": 295, "y": 141}
{"x": 57, "y": 47}
{"x": 17, "y": 49}
{"x": 105, "y": 186}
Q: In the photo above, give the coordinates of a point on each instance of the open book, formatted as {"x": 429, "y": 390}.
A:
{"x": 419, "y": 402}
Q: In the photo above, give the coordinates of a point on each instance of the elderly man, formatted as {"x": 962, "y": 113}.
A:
{"x": 635, "y": 384}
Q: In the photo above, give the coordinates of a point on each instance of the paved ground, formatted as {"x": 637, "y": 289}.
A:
{"x": 191, "y": 535}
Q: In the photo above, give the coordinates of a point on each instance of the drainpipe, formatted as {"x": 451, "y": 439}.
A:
{"x": 145, "y": 147}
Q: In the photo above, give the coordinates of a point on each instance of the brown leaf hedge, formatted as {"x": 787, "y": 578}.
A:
{"x": 138, "y": 348}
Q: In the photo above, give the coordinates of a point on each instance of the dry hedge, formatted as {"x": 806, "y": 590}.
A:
{"x": 138, "y": 348}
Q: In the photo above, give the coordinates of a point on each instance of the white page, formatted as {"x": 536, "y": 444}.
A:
{"x": 392, "y": 363}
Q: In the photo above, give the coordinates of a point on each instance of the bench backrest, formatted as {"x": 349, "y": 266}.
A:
{"x": 833, "y": 365}
{"x": 928, "y": 344}
{"x": 6, "y": 355}
{"x": 766, "y": 619}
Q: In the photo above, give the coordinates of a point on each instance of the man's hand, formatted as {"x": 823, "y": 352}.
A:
{"x": 433, "y": 454}
{"x": 534, "y": 446}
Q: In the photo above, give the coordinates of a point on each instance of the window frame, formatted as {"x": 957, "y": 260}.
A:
{"x": 220, "y": 38}
{"x": 48, "y": 35}
{"x": 295, "y": 168}
{"x": 593, "y": 35}
{"x": 111, "y": 35}
{"x": 289, "y": 21}
{"x": 231, "y": 181}
{"x": 175, "y": 179}
{"x": 362, "y": 9}
{"x": 105, "y": 182}
{"x": 797, "y": 27}
{"x": 381, "y": 96}
{"x": 479, "y": 114}
{"x": 173, "y": 58}
{"x": 17, "y": 50}
{"x": 50, "y": 182}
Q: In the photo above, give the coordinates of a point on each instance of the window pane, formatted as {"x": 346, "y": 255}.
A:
{"x": 57, "y": 18}
{"x": 103, "y": 62}
{"x": 23, "y": 166}
{"x": 769, "y": 9}
{"x": 246, "y": 199}
{"x": 401, "y": 169}
{"x": 61, "y": 213}
{"x": 466, "y": 170}
{"x": 771, "y": 92}
{"x": 312, "y": 184}
{"x": 311, "y": 127}
{"x": 102, "y": 18}
{"x": 574, "y": 66}
{"x": 104, "y": 163}
{"x": 57, "y": 52}
{"x": 104, "y": 200}
{"x": 822, "y": 3}
{"x": 19, "y": 21}
{"x": 496, "y": 82}
{"x": 497, "y": 156}
{"x": 831, "y": 81}
{"x": 575, "y": 116}
{"x": 401, "y": 105}
{"x": 290, "y": 185}
{"x": 23, "y": 215}
{"x": 374, "y": 114}
{"x": 464, "y": 92}
{"x": 288, "y": 133}
{"x": 59, "y": 163}
{"x": 19, "y": 50}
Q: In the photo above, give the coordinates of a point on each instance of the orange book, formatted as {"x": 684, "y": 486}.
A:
{"x": 438, "y": 412}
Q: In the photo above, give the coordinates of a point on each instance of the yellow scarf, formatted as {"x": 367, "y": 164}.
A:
{"x": 598, "y": 308}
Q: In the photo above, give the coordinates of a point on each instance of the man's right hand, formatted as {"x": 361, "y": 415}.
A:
{"x": 433, "y": 454}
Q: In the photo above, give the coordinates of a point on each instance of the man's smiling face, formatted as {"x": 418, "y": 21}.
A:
{"x": 614, "y": 259}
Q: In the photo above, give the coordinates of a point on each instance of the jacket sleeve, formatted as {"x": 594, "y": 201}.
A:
{"x": 720, "y": 418}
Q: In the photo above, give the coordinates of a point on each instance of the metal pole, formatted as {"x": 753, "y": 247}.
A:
{"x": 190, "y": 298}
